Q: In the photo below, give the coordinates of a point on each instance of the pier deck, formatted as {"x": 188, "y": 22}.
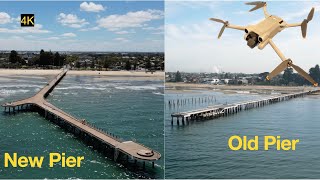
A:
{"x": 216, "y": 111}
{"x": 129, "y": 148}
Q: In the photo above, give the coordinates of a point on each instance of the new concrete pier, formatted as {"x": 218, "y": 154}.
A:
{"x": 102, "y": 140}
{"x": 216, "y": 111}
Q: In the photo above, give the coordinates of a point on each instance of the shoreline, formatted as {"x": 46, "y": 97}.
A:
{"x": 158, "y": 75}
{"x": 250, "y": 88}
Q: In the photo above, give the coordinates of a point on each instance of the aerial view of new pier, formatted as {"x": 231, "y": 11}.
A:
{"x": 99, "y": 138}
{"x": 130, "y": 153}
{"x": 100, "y": 115}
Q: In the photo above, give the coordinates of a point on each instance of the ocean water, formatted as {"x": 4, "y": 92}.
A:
{"x": 200, "y": 150}
{"x": 129, "y": 108}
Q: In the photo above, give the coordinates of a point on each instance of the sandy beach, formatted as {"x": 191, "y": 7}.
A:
{"x": 111, "y": 74}
{"x": 232, "y": 88}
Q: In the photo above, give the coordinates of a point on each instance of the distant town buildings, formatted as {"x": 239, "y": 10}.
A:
{"x": 214, "y": 78}
{"x": 288, "y": 78}
{"x": 116, "y": 61}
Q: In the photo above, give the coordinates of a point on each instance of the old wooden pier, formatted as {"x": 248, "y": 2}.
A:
{"x": 98, "y": 138}
{"x": 184, "y": 101}
{"x": 216, "y": 111}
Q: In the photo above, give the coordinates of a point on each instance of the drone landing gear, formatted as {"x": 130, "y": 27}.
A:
{"x": 288, "y": 63}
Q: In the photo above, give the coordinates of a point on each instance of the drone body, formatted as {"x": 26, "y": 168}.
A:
{"x": 261, "y": 34}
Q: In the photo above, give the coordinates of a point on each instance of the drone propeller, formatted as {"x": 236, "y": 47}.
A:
{"x": 305, "y": 23}
{"x": 278, "y": 69}
{"x": 225, "y": 24}
{"x": 304, "y": 74}
{"x": 288, "y": 63}
{"x": 217, "y": 20}
{"x": 257, "y": 4}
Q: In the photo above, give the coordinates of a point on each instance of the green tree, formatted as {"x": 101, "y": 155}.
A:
{"x": 227, "y": 76}
{"x": 14, "y": 57}
{"x": 106, "y": 64}
{"x": 77, "y": 64}
{"x": 62, "y": 60}
{"x": 70, "y": 59}
{"x": 315, "y": 73}
{"x": 50, "y": 57}
{"x": 92, "y": 64}
{"x": 156, "y": 64}
{"x": 128, "y": 65}
{"x": 46, "y": 58}
{"x": 34, "y": 60}
{"x": 148, "y": 64}
{"x": 178, "y": 77}
{"x": 288, "y": 75}
{"x": 42, "y": 57}
{"x": 135, "y": 64}
{"x": 57, "y": 59}
{"x": 263, "y": 75}
{"x": 298, "y": 79}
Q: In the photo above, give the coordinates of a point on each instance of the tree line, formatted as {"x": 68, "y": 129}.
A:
{"x": 93, "y": 61}
{"x": 288, "y": 78}
{"x": 45, "y": 58}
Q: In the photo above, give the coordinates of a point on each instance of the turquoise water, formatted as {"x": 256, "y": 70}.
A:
{"x": 200, "y": 150}
{"x": 129, "y": 108}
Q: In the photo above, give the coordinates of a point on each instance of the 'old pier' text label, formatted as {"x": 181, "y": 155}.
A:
{"x": 243, "y": 143}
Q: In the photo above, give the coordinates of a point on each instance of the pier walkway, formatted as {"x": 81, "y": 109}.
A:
{"x": 80, "y": 127}
{"x": 216, "y": 111}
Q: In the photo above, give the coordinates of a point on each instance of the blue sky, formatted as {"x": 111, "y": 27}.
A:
{"x": 191, "y": 39}
{"x": 84, "y": 26}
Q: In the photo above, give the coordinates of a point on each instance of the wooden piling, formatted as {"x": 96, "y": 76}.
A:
{"x": 228, "y": 109}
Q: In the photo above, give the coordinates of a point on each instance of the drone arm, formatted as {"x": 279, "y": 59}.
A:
{"x": 277, "y": 50}
{"x": 258, "y": 5}
{"x": 293, "y": 25}
{"x": 282, "y": 66}
{"x": 226, "y": 25}
{"x": 288, "y": 63}
{"x": 266, "y": 14}
{"x": 236, "y": 27}
{"x": 304, "y": 23}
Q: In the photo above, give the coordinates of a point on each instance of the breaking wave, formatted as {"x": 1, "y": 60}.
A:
{"x": 158, "y": 93}
{"x": 21, "y": 86}
{"x": 9, "y": 92}
{"x": 139, "y": 88}
{"x": 80, "y": 87}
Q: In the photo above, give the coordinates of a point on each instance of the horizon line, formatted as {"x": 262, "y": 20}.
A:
{"x": 88, "y": 51}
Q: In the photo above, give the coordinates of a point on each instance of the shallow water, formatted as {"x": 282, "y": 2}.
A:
{"x": 132, "y": 110}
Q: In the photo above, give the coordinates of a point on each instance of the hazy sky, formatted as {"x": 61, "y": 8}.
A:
{"x": 191, "y": 39}
{"x": 83, "y": 26}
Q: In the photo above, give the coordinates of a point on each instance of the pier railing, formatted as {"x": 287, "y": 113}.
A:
{"x": 111, "y": 135}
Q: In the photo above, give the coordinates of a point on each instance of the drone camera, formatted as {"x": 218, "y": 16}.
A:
{"x": 252, "y": 39}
